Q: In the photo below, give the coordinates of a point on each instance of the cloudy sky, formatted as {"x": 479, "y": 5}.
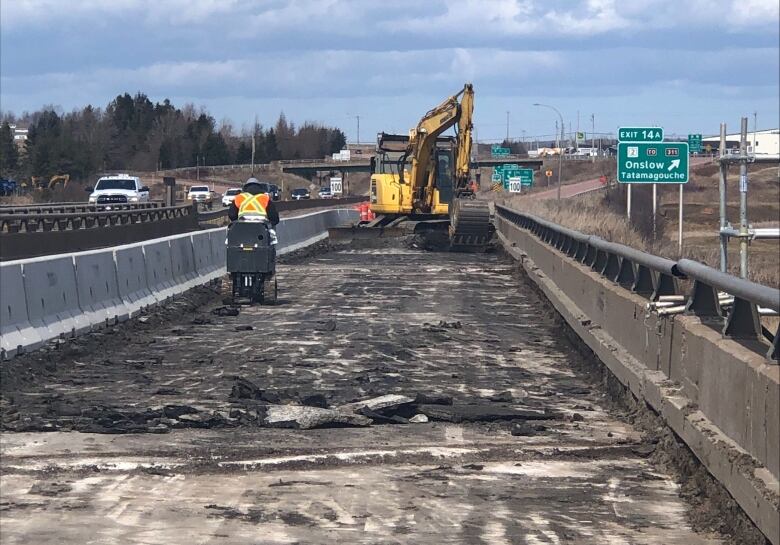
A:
{"x": 685, "y": 65}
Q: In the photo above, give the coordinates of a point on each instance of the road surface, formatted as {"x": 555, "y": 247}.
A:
{"x": 172, "y": 445}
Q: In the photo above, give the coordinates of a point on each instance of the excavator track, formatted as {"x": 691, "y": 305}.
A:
{"x": 470, "y": 226}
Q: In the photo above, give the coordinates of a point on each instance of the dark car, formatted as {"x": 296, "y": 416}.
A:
{"x": 275, "y": 193}
{"x": 300, "y": 193}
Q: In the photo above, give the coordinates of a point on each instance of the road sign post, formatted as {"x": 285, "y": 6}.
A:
{"x": 549, "y": 174}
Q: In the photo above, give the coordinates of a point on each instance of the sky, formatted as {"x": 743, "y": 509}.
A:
{"x": 685, "y": 65}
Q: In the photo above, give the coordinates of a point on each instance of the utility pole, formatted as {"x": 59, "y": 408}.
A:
{"x": 743, "y": 189}
{"x": 507, "y": 125}
{"x": 755, "y": 130}
{"x": 724, "y": 241}
{"x": 593, "y": 135}
{"x": 576, "y": 136}
{"x": 358, "y": 128}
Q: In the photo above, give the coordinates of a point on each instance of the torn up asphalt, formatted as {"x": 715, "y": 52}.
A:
{"x": 392, "y": 396}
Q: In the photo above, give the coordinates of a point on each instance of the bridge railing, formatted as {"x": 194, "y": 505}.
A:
{"x": 74, "y": 207}
{"x": 656, "y": 277}
{"x": 86, "y": 217}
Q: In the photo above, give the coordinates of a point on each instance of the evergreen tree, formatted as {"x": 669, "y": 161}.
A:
{"x": 9, "y": 156}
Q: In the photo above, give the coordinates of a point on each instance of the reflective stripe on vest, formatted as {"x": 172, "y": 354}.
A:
{"x": 252, "y": 204}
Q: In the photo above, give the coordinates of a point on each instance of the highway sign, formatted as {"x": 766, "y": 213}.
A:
{"x": 580, "y": 137}
{"x": 694, "y": 143}
{"x": 652, "y": 163}
{"x": 526, "y": 176}
{"x": 498, "y": 151}
{"x": 336, "y": 186}
{"x": 640, "y": 134}
{"x": 515, "y": 184}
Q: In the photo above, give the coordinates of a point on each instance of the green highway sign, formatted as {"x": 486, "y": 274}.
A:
{"x": 640, "y": 134}
{"x": 694, "y": 143}
{"x": 526, "y": 177}
{"x": 652, "y": 163}
{"x": 498, "y": 151}
{"x": 523, "y": 177}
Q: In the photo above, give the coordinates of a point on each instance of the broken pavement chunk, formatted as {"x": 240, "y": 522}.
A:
{"x": 482, "y": 413}
{"x": 380, "y": 403}
{"x": 304, "y": 418}
{"x": 433, "y": 399}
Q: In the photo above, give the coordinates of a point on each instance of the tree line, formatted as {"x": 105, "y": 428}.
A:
{"x": 133, "y": 133}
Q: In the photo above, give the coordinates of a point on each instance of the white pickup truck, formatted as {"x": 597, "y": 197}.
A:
{"x": 200, "y": 194}
{"x": 118, "y": 189}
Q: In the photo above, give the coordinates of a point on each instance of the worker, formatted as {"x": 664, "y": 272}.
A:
{"x": 254, "y": 204}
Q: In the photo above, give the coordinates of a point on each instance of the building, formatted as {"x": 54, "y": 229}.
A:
{"x": 765, "y": 142}
{"x": 20, "y": 134}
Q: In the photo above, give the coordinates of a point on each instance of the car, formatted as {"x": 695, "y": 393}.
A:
{"x": 300, "y": 193}
{"x": 200, "y": 194}
{"x": 275, "y": 193}
{"x": 7, "y": 186}
{"x": 229, "y": 196}
{"x": 324, "y": 193}
{"x": 118, "y": 189}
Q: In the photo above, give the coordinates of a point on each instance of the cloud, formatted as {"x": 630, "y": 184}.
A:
{"x": 325, "y": 54}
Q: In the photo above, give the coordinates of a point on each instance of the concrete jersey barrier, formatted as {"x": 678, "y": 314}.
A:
{"x": 63, "y": 295}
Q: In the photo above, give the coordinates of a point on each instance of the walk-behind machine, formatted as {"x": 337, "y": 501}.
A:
{"x": 251, "y": 262}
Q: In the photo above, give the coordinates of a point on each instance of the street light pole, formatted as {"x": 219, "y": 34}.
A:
{"x": 507, "y": 126}
{"x": 560, "y": 154}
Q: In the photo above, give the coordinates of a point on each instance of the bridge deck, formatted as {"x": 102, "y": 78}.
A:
{"x": 351, "y": 325}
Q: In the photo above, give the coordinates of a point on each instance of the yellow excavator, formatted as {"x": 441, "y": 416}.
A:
{"x": 39, "y": 183}
{"x": 423, "y": 180}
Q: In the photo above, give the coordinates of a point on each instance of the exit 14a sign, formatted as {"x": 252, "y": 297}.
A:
{"x": 640, "y": 134}
{"x": 652, "y": 163}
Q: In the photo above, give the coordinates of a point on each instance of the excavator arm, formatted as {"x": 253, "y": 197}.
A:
{"x": 422, "y": 144}
{"x": 463, "y": 151}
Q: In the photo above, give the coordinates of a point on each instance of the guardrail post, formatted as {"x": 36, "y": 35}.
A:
{"x": 743, "y": 321}
{"x": 643, "y": 282}
{"x": 611, "y": 267}
{"x": 600, "y": 261}
{"x": 664, "y": 284}
{"x": 703, "y": 300}
{"x": 625, "y": 276}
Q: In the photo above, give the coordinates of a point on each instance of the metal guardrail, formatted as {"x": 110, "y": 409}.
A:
{"x": 74, "y": 207}
{"x": 653, "y": 277}
{"x": 87, "y": 217}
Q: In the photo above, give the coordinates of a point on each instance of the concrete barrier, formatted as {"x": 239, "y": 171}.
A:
{"x": 720, "y": 397}
{"x": 98, "y": 289}
{"x": 16, "y": 332}
{"x": 47, "y": 297}
{"x": 131, "y": 278}
{"x": 159, "y": 269}
{"x": 52, "y": 297}
{"x": 185, "y": 275}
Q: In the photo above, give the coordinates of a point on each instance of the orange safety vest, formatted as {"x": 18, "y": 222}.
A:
{"x": 254, "y": 205}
